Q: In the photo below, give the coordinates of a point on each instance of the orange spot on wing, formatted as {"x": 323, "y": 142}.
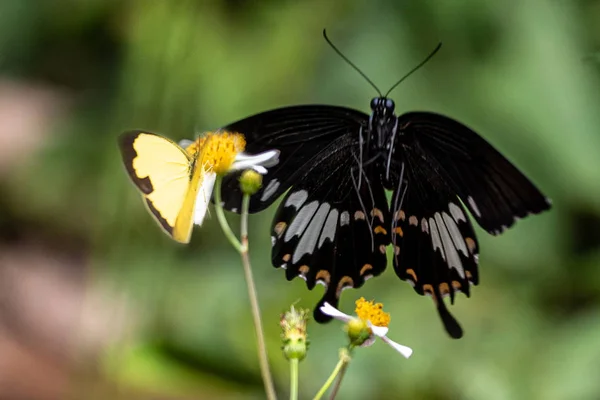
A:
{"x": 411, "y": 272}
{"x": 470, "y": 244}
{"x": 376, "y": 212}
{"x": 279, "y": 228}
{"x": 380, "y": 229}
{"x": 346, "y": 281}
{"x": 444, "y": 288}
{"x": 365, "y": 268}
{"x": 304, "y": 269}
{"x": 324, "y": 276}
{"x": 359, "y": 215}
{"x": 428, "y": 289}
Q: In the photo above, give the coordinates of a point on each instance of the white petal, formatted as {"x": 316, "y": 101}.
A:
{"x": 379, "y": 331}
{"x": 368, "y": 342}
{"x": 330, "y": 310}
{"x": 405, "y": 351}
{"x": 260, "y": 169}
{"x": 203, "y": 197}
{"x": 185, "y": 143}
{"x": 266, "y": 159}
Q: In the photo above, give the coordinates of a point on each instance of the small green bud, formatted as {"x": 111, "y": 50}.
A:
{"x": 250, "y": 181}
{"x": 358, "y": 332}
{"x": 294, "y": 336}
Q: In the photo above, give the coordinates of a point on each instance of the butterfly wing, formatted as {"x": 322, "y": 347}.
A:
{"x": 435, "y": 247}
{"x": 300, "y": 133}
{"x": 167, "y": 178}
{"x": 495, "y": 191}
{"x": 330, "y": 227}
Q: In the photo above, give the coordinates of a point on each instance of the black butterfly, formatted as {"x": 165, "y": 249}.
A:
{"x": 334, "y": 224}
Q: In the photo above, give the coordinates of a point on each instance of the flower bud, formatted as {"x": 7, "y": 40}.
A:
{"x": 250, "y": 182}
{"x": 358, "y": 332}
{"x": 294, "y": 336}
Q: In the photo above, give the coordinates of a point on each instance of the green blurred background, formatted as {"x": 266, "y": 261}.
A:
{"x": 96, "y": 302}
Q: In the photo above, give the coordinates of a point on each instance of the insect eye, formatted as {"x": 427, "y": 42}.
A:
{"x": 375, "y": 103}
{"x": 389, "y": 104}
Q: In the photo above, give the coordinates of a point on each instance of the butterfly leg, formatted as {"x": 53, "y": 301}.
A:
{"x": 362, "y": 205}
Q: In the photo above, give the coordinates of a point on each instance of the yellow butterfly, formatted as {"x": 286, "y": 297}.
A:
{"x": 168, "y": 177}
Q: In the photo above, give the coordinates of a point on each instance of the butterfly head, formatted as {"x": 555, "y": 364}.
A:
{"x": 382, "y": 121}
{"x": 382, "y": 107}
{"x": 382, "y": 112}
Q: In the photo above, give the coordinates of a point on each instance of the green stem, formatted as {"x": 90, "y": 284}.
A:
{"x": 221, "y": 217}
{"x": 341, "y": 365}
{"x": 262, "y": 348}
{"x": 338, "y": 382}
{"x": 294, "y": 379}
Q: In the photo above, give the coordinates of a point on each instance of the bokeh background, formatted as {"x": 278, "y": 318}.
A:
{"x": 96, "y": 303}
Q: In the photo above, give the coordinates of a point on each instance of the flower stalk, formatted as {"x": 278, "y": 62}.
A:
{"x": 294, "y": 378}
{"x": 260, "y": 337}
{"x": 242, "y": 248}
{"x": 221, "y": 217}
{"x": 340, "y": 370}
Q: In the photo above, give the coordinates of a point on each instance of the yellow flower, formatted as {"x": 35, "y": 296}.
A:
{"x": 370, "y": 323}
{"x": 368, "y": 311}
{"x": 218, "y": 154}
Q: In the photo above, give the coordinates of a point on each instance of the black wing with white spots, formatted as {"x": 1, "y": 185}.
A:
{"x": 494, "y": 190}
{"x": 434, "y": 245}
{"x": 331, "y": 227}
{"x": 334, "y": 224}
{"x": 300, "y": 133}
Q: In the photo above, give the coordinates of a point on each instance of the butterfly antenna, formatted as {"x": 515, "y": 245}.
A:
{"x": 350, "y": 62}
{"x": 437, "y": 48}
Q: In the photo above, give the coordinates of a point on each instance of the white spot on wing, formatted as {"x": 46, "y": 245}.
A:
{"x": 424, "y": 225}
{"x": 474, "y": 206}
{"x": 452, "y": 257}
{"x": 296, "y": 199}
{"x": 344, "y": 288}
{"x": 270, "y": 190}
{"x": 344, "y": 218}
{"x": 456, "y": 212}
{"x": 329, "y": 227}
{"x": 309, "y": 238}
{"x": 435, "y": 238}
{"x": 457, "y": 239}
{"x": 302, "y": 219}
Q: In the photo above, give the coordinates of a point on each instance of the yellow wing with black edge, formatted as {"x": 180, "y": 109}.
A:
{"x": 168, "y": 178}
